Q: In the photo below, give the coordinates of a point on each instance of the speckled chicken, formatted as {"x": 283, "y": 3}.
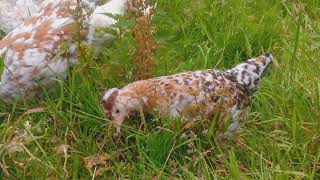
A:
{"x": 191, "y": 95}
{"x": 33, "y": 55}
{"x": 13, "y": 12}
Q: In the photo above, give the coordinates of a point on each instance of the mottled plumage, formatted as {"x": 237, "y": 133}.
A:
{"x": 33, "y": 53}
{"x": 191, "y": 95}
{"x": 13, "y": 12}
{"x": 32, "y": 50}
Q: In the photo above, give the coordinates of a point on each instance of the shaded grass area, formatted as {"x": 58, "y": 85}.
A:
{"x": 280, "y": 140}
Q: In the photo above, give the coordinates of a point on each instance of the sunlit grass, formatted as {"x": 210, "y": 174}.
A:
{"x": 279, "y": 141}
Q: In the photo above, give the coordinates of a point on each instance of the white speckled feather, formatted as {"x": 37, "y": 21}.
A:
{"x": 192, "y": 95}
{"x": 30, "y": 49}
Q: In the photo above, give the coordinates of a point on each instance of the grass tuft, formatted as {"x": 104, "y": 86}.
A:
{"x": 281, "y": 139}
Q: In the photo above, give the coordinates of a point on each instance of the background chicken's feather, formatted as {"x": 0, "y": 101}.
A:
{"x": 35, "y": 55}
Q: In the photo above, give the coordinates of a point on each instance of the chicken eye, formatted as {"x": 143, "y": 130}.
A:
{"x": 117, "y": 111}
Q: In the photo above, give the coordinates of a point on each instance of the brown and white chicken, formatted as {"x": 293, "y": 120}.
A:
{"x": 13, "y": 12}
{"x": 191, "y": 95}
{"x": 33, "y": 55}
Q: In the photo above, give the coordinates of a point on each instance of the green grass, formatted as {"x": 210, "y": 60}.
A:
{"x": 281, "y": 139}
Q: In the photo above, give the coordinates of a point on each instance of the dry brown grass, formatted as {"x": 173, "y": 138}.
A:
{"x": 145, "y": 45}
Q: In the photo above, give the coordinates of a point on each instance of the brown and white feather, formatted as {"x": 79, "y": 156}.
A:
{"x": 190, "y": 95}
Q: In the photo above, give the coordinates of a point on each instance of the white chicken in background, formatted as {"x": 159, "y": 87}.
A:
{"x": 13, "y": 12}
{"x": 100, "y": 19}
{"x": 32, "y": 51}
